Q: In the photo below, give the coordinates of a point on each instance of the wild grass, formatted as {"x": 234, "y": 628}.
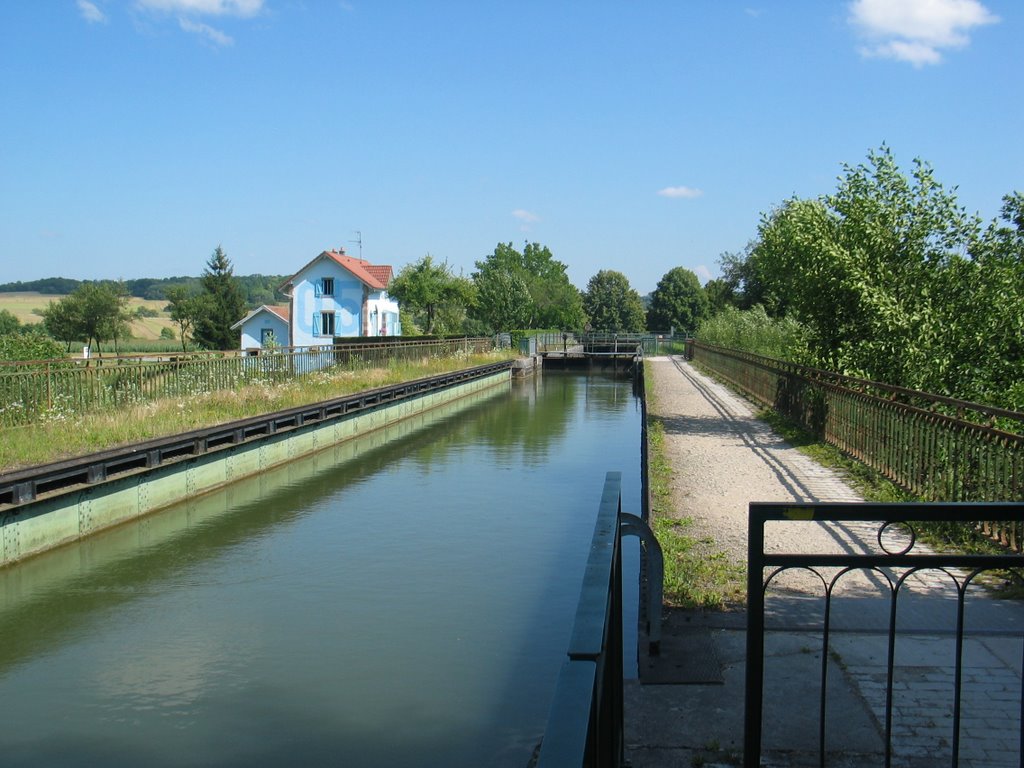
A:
{"x": 64, "y": 435}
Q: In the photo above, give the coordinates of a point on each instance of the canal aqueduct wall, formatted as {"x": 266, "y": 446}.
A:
{"x": 60, "y": 517}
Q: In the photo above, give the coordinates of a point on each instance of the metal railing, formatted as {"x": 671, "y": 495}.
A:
{"x": 893, "y": 566}
{"x": 585, "y": 726}
{"x": 935, "y": 447}
{"x": 35, "y": 389}
{"x": 23, "y": 486}
{"x": 597, "y": 344}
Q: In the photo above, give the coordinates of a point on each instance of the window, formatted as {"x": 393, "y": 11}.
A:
{"x": 325, "y": 286}
{"x": 327, "y": 324}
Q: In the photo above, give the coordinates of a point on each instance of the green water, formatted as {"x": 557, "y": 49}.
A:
{"x": 400, "y": 600}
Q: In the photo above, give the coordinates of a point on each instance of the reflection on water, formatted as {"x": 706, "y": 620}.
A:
{"x": 404, "y": 599}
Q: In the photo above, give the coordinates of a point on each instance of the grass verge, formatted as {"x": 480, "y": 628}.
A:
{"x": 66, "y": 435}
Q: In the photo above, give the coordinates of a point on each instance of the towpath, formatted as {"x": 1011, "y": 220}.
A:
{"x": 723, "y": 458}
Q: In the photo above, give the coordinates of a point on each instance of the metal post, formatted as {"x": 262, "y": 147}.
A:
{"x": 755, "y": 643}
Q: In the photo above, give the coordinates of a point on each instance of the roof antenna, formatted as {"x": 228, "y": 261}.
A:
{"x": 359, "y": 242}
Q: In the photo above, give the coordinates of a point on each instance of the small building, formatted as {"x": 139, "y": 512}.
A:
{"x": 265, "y": 326}
{"x": 334, "y": 295}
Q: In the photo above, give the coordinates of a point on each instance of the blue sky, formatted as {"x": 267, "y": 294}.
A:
{"x": 137, "y": 135}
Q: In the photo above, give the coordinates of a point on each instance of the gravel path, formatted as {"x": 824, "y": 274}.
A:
{"x": 723, "y": 458}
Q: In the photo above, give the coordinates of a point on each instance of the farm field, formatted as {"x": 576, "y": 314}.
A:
{"x": 24, "y": 305}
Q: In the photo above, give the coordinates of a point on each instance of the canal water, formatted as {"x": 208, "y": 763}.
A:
{"x": 404, "y": 599}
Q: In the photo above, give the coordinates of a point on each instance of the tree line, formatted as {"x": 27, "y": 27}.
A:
{"x": 529, "y": 289}
{"x": 256, "y": 289}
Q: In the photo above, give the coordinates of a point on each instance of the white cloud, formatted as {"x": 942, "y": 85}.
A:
{"x": 90, "y": 12}
{"x": 685, "y": 192}
{"x": 243, "y": 8}
{"x": 215, "y": 36}
{"x": 525, "y": 216}
{"x": 916, "y": 31}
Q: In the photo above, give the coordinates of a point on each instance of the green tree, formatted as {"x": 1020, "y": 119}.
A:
{"x": 503, "y": 302}
{"x": 431, "y": 296}
{"x": 678, "y": 302}
{"x": 859, "y": 268}
{"x": 8, "y": 322}
{"x": 221, "y": 305}
{"x": 980, "y": 301}
{"x": 612, "y": 305}
{"x": 61, "y": 320}
{"x": 185, "y": 308}
{"x": 550, "y": 300}
{"x": 720, "y": 296}
{"x": 93, "y": 313}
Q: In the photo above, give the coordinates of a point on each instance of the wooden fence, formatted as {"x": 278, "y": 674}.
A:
{"x": 34, "y": 390}
{"x": 937, "y": 448}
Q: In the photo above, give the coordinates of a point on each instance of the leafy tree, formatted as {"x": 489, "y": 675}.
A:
{"x": 430, "y": 295}
{"x": 550, "y": 300}
{"x": 503, "y": 302}
{"x": 185, "y": 308}
{"x": 221, "y": 305}
{"x": 612, "y": 305}
{"x": 678, "y": 302}
{"x": 93, "y": 313}
{"x": 980, "y": 303}
{"x": 720, "y": 296}
{"x": 859, "y": 267}
{"x": 61, "y": 320}
{"x": 8, "y": 322}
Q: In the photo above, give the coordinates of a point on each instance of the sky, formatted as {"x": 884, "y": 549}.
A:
{"x": 138, "y": 135}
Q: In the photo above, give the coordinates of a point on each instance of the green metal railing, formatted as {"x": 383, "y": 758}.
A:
{"x": 937, "y": 448}
{"x": 577, "y": 342}
{"x": 33, "y": 390}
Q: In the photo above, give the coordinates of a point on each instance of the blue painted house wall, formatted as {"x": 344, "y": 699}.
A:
{"x": 314, "y": 298}
{"x": 258, "y": 324}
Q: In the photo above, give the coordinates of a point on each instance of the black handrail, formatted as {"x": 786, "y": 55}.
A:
{"x": 585, "y": 725}
{"x": 892, "y": 564}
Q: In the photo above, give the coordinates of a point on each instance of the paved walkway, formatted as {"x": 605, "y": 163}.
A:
{"x": 700, "y": 721}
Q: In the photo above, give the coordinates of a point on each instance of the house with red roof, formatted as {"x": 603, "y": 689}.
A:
{"x": 265, "y": 326}
{"x": 333, "y": 295}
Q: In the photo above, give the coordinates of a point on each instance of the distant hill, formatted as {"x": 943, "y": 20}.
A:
{"x": 256, "y": 289}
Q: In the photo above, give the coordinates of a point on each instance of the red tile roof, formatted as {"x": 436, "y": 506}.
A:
{"x": 376, "y": 276}
{"x": 282, "y": 312}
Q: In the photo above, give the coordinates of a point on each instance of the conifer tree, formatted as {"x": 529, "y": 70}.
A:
{"x": 220, "y": 305}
